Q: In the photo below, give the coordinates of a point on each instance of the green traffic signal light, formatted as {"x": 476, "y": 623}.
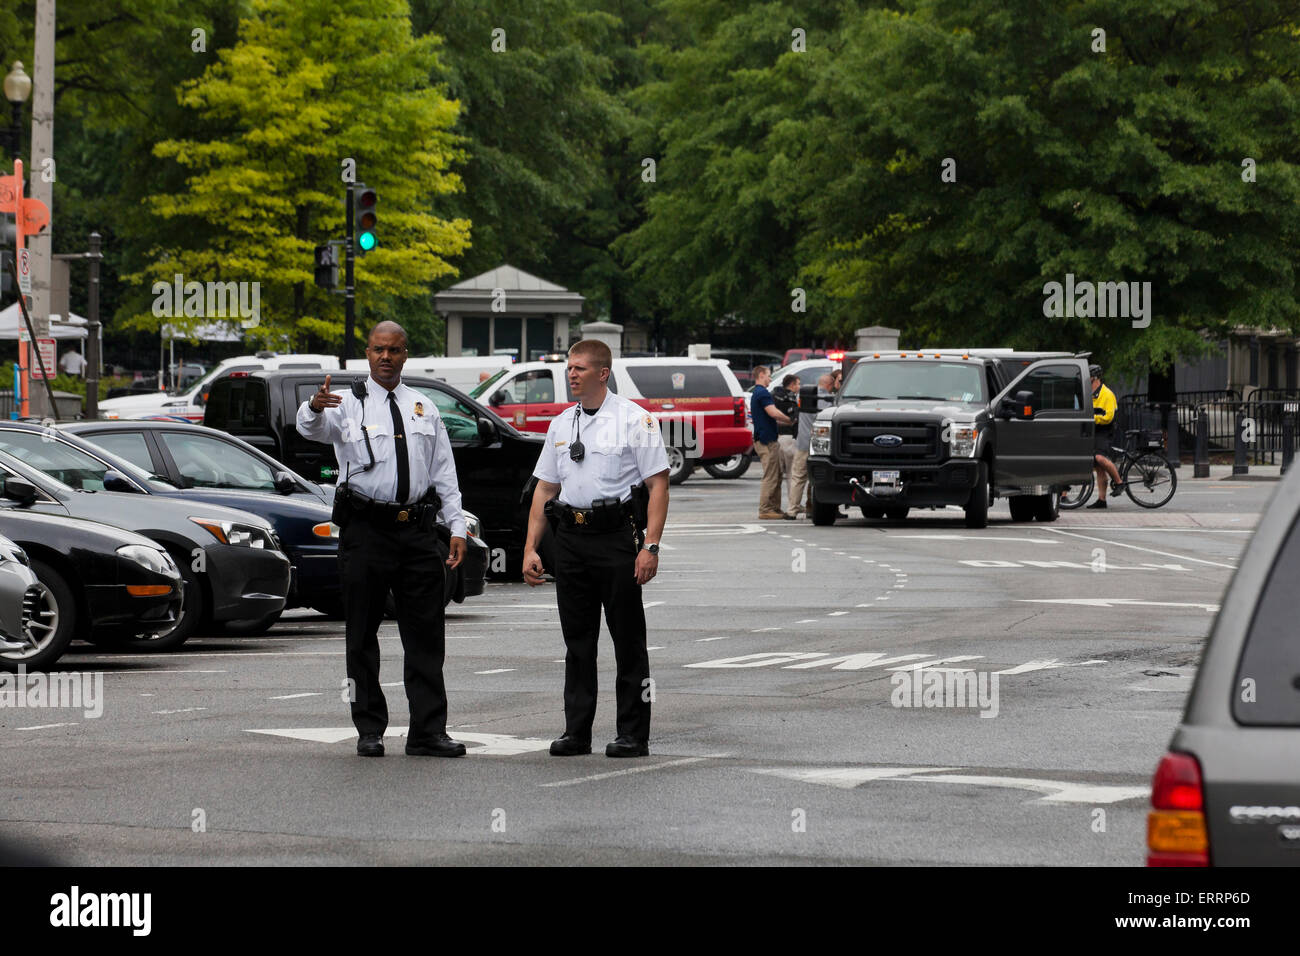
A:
{"x": 366, "y": 218}
{"x": 366, "y": 241}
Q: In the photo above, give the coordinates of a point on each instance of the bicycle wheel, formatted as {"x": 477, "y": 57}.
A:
{"x": 1149, "y": 480}
{"x": 1076, "y": 496}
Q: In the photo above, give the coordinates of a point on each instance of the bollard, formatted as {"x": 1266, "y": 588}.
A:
{"x": 1239, "y": 466}
{"x": 1173, "y": 454}
{"x": 1201, "y": 461}
{"x": 1288, "y": 434}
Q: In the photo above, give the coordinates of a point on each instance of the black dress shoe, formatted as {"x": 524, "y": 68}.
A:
{"x": 567, "y": 745}
{"x": 627, "y": 747}
{"x": 370, "y": 745}
{"x": 439, "y": 745}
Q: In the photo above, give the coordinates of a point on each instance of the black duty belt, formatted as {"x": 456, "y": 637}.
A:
{"x": 594, "y": 520}
{"x": 389, "y": 512}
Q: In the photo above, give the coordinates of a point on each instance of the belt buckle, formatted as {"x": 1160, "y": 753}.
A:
{"x": 579, "y": 517}
{"x": 403, "y": 515}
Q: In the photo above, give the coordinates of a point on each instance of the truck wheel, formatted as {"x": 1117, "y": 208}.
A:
{"x": 823, "y": 515}
{"x": 679, "y": 466}
{"x": 977, "y": 510}
{"x": 1023, "y": 507}
{"x": 1048, "y": 507}
{"x": 733, "y": 467}
{"x": 872, "y": 512}
{"x": 896, "y": 514}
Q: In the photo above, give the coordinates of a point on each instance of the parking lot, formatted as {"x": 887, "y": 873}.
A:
{"x": 790, "y": 722}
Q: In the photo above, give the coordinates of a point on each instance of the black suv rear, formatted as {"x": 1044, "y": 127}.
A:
{"x": 494, "y": 461}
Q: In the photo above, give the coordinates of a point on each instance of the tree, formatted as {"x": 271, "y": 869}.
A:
{"x": 308, "y": 85}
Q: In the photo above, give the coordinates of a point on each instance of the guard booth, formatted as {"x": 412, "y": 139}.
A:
{"x": 506, "y": 311}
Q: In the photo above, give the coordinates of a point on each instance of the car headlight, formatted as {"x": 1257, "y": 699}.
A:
{"x": 232, "y": 532}
{"x": 961, "y": 440}
{"x": 326, "y": 531}
{"x": 473, "y": 526}
{"x": 157, "y": 561}
{"x": 820, "y": 443}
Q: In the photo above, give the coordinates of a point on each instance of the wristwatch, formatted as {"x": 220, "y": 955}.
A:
{"x": 652, "y": 548}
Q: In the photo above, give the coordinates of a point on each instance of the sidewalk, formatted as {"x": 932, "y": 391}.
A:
{"x": 1224, "y": 473}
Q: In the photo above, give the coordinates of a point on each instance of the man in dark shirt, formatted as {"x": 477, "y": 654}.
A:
{"x": 767, "y": 445}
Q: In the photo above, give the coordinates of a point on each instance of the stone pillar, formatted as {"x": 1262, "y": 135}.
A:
{"x": 454, "y": 339}
{"x": 877, "y": 338}
{"x": 611, "y": 333}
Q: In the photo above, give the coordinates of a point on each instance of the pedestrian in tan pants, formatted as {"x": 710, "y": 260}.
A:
{"x": 767, "y": 446}
{"x": 803, "y": 444}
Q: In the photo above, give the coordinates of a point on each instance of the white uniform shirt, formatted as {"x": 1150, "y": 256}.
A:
{"x": 428, "y": 449}
{"x": 623, "y": 447}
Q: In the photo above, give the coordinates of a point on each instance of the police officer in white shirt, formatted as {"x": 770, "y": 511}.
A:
{"x": 398, "y": 479}
{"x": 603, "y": 486}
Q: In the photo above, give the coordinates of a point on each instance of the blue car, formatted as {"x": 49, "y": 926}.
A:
{"x": 175, "y": 459}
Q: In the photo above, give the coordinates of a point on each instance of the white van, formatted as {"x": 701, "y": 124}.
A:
{"x": 462, "y": 371}
{"x": 188, "y": 404}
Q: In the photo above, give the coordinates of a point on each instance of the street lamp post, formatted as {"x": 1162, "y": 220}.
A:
{"x": 17, "y": 86}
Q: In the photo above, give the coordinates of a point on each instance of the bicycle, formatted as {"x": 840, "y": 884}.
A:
{"x": 1153, "y": 484}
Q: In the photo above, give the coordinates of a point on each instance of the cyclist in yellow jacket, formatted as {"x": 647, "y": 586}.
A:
{"x": 1103, "y": 417}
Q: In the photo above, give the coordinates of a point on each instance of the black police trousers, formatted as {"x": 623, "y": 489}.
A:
{"x": 591, "y": 571}
{"x": 375, "y": 557}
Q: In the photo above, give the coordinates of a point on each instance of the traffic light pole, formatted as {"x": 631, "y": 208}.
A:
{"x": 350, "y": 292}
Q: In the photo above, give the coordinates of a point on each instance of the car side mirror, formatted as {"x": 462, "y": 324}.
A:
{"x": 1022, "y": 406}
{"x": 19, "y": 489}
{"x": 498, "y": 398}
{"x": 285, "y": 483}
{"x": 113, "y": 481}
{"x": 808, "y": 399}
{"x": 487, "y": 430}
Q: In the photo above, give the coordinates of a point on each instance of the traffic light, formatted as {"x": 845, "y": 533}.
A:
{"x": 327, "y": 267}
{"x": 363, "y": 203}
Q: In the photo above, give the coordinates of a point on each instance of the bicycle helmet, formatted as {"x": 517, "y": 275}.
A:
{"x": 1094, "y": 371}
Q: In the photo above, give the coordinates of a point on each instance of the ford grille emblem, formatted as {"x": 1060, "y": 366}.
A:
{"x": 888, "y": 441}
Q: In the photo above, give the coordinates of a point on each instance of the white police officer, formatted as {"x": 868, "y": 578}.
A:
{"x": 397, "y": 476}
{"x": 606, "y": 544}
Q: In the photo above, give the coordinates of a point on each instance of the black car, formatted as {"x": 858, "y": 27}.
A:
{"x": 210, "y": 465}
{"x": 494, "y": 461}
{"x": 1228, "y": 791}
{"x": 230, "y": 560}
{"x": 98, "y": 583}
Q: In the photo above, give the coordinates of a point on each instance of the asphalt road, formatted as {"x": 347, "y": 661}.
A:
{"x": 776, "y": 648}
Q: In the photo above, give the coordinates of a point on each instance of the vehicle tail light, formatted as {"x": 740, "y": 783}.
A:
{"x": 738, "y": 412}
{"x": 1176, "y": 834}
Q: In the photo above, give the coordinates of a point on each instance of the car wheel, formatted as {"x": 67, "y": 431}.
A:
{"x": 252, "y": 627}
{"x": 823, "y": 514}
{"x": 977, "y": 510}
{"x": 1049, "y": 507}
{"x": 51, "y": 621}
{"x": 733, "y": 467}
{"x": 679, "y": 466}
{"x": 1023, "y": 507}
{"x": 193, "y": 608}
{"x": 896, "y": 514}
{"x": 331, "y": 609}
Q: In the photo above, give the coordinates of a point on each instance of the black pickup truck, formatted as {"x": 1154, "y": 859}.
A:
{"x": 494, "y": 461}
{"x": 942, "y": 427}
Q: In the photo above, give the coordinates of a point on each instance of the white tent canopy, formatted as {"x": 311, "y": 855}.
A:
{"x": 11, "y": 320}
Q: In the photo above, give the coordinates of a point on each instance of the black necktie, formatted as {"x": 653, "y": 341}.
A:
{"x": 399, "y": 440}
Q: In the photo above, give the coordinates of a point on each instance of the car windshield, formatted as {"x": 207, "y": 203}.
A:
{"x": 902, "y": 380}
{"x": 482, "y": 387}
{"x": 70, "y": 465}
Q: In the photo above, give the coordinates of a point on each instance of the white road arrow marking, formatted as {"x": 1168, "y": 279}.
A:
{"x": 490, "y": 745}
{"x": 1116, "y": 602}
{"x": 1054, "y": 791}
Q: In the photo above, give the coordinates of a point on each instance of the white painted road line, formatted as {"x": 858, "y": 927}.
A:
{"x": 1116, "y": 602}
{"x": 630, "y": 770}
{"x": 1054, "y": 791}
{"x": 1121, "y": 544}
{"x": 496, "y": 670}
{"x": 46, "y": 726}
{"x": 490, "y": 745}
{"x": 294, "y": 696}
{"x": 182, "y": 710}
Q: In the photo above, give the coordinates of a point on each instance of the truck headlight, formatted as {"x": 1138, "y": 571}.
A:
{"x": 961, "y": 441}
{"x": 473, "y": 526}
{"x": 820, "y": 443}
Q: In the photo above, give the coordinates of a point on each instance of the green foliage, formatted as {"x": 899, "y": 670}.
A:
{"x": 308, "y": 84}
